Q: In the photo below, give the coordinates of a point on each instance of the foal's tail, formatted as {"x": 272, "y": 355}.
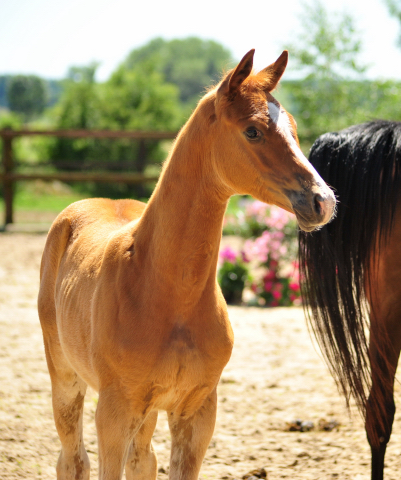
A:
{"x": 57, "y": 240}
{"x": 363, "y": 164}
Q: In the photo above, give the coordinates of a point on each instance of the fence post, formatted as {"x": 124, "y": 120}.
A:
{"x": 8, "y": 184}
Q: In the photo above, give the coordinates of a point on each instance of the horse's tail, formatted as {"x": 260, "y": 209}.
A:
{"x": 363, "y": 164}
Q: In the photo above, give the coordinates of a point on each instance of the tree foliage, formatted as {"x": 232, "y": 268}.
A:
{"x": 79, "y": 104}
{"x": 394, "y": 7}
{"x": 129, "y": 100}
{"x": 332, "y": 93}
{"x": 329, "y": 44}
{"x": 140, "y": 100}
{"x": 53, "y": 90}
{"x": 192, "y": 64}
{"x": 4, "y": 79}
{"x": 26, "y": 95}
{"x": 145, "y": 93}
{"x": 321, "y": 106}
{"x": 157, "y": 85}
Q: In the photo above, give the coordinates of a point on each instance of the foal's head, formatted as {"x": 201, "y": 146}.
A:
{"x": 256, "y": 150}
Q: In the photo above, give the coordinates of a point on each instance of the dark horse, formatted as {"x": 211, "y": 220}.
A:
{"x": 351, "y": 271}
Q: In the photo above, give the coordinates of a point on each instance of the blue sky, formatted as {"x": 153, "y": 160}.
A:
{"x": 45, "y": 37}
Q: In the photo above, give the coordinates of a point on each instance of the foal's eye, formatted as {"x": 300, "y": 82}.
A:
{"x": 252, "y": 133}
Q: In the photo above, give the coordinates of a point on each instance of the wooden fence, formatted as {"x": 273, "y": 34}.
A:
{"x": 9, "y": 175}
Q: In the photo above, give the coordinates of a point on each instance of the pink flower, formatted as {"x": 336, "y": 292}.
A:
{"x": 270, "y": 275}
{"x": 256, "y": 250}
{"x": 295, "y": 273}
{"x": 278, "y": 218}
{"x": 294, "y": 286}
{"x": 228, "y": 255}
{"x": 277, "y": 295}
{"x": 245, "y": 259}
{"x": 273, "y": 264}
{"x": 258, "y": 210}
{"x": 268, "y": 286}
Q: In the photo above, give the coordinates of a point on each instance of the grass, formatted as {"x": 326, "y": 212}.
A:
{"x": 40, "y": 202}
{"x": 26, "y": 201}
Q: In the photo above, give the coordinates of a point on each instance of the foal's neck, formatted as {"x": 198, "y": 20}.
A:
{"x": 180, "y": 230}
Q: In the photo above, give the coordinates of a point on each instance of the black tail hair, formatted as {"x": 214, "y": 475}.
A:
{"x": 363, "y": 165}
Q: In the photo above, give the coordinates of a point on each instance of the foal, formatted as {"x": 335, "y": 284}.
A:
{"x": 129, "y": 302}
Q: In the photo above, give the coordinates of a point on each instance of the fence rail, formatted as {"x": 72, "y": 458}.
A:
{"x": 9, "y": 176}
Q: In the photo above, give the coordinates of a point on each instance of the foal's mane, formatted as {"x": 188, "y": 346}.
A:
{"x": 363, "y": 163}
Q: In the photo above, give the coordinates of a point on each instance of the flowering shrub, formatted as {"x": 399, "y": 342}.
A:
{"x": 233, "y": 275}
{"x": 271, "y": 251}
{"x": 253, "y": 217}
{"x": 277, "y": 289}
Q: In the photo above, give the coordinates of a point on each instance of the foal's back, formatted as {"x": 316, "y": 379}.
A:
{"x": 71, "y": 267}
{"x": 81, "y": 233}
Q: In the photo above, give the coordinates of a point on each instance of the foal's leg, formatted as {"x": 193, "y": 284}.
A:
{"x": 142, "y": 461}
{"x": 68, "y": 392}
{"x": 117, "y": 424}
{"x": 190, "y": 438}
{"x": 384, "y": 352}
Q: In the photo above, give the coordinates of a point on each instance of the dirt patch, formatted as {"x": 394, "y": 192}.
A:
{"x": 274, "y": 378}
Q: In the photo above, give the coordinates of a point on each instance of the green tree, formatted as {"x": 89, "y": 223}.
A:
{"x": 78, "y": 108}
{"x": 53, "y": 90}
{"x": 4, "y": 79}
{"x": 26, "y": 95}
{"x": 190, "y": 63}
{"x": 79, "y": 104}
{"x": 131, "y": 100}
{"x": 331, "y": 94}
{"x": 394, "y": 7}
{"x": 140, "y": 99}
{"x": 329, "y": 44}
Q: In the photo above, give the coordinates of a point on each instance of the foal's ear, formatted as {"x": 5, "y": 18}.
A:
{"x": 234, "y": 80}
{"x": 275, "y": 71}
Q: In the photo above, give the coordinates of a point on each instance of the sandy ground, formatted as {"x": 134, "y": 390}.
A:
{"x": 274, "y": 376}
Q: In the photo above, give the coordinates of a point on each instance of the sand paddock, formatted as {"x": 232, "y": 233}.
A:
{"x": 274, "y": 376}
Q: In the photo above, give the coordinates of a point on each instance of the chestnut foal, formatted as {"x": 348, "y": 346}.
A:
{"x": 128, "y": 300}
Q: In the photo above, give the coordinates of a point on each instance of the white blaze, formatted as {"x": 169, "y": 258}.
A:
{"x": 274, "y": 112}
{"x": 280, "y": 118}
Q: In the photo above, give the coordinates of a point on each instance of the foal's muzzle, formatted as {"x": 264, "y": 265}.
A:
{"x": 314, "y": 207}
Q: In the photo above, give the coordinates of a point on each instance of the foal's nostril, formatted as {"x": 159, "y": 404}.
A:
{"x": 318, "y": 204}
